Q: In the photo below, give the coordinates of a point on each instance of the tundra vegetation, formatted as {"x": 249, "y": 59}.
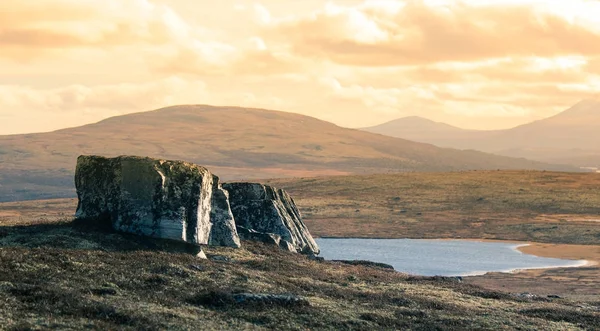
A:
{"x": 64, "y": 274}
{"x": 73, "y": 275}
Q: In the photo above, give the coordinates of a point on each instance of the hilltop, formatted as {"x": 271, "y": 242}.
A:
{"x": 421, "y": 129}
{"x": 235, "y": 143}
{"x": 570, "y": 137}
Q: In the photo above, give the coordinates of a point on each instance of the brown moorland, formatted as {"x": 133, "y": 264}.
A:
{"x": 73, "y": 275}
{"x": 555, "y": 208}
{"x": 528, "y": 206}
{"x": 570, "y": 137}
{"x": 538, "y": 206}
{"x": 582, "y": 283}
{"x": 233, "y": 142}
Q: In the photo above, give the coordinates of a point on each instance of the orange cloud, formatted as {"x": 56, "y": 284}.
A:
{"x": 354, "y": 63}
{"x": 32, "y": 28}
{"x": 418, "y": 33}
{"x": 92, "y": 102}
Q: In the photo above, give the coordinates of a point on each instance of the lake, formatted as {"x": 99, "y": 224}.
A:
{"x": 439, "y": 257}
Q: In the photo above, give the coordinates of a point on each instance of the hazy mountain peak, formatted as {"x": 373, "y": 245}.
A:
{"x": 418, "y": 120}
{"x": 586, "y": 108}
{"x": 413, "y": 118}
{"x": 412, "y": 125}
{"x": 570, "y": 137}
{"x": 236, "y": 143}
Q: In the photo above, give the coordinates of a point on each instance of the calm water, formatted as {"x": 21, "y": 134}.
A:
{"x": 438, "y": 257}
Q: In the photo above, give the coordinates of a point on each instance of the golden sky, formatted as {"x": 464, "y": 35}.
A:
{"x": 482, "y": 64}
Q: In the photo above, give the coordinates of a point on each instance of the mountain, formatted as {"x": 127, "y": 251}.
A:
{"x": 427, "y": 131}
{"x": 415, "y": 125}
{"x": 235, "y": 143}
{"x": 571, "y": 137}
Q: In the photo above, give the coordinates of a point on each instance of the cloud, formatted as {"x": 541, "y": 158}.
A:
{"x": 62, "y": 23}
{"x": 32, "y": 29}
{"x": 352, "y": 62}
{"x": 514, "y": 72}
{"x": 93, "y": 102}
{"x": 383, "y": 100}
{"x": 150, "y": 32}
{"x": 261, "y": 14}
{"x": 424, "y": 32}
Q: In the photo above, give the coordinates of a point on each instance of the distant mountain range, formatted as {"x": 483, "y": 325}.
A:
{"x": 235, "y": 143}
{"x": 571, "y": 137}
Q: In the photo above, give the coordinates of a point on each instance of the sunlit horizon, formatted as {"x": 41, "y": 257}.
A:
{"x": 471, "y": 64}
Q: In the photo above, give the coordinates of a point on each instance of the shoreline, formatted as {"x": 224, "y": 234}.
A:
{"x": 575, "y": 253}
{"x": 577, "y": 283}
{"x": 581, "y": 255}
{"x": 523, "y": 248}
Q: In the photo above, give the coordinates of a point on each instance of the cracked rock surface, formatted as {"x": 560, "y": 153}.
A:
{"x": 263, "y": 209}
{"x": 157, "y": 198}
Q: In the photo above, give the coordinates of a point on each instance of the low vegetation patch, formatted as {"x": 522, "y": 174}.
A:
{"x": 539, "y": 206}
{"x": 92, "y": 278}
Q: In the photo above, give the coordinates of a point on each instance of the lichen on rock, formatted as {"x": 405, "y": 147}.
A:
{"x": 261, "y": 209}
{"x": 157, "y": 198}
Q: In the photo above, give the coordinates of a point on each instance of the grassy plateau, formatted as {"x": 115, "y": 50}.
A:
{"x": 56, "y": 273}
{"x": 538, "y": 206}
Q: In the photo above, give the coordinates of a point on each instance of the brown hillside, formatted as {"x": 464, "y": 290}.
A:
{"x": 233, "y": 142}
{"x": 571, "y": 137}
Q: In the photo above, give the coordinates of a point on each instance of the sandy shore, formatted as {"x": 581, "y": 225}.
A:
{"x": 560, "y": 251}
{"x": 580, "y": 283}
{"x": 589, "y": 253}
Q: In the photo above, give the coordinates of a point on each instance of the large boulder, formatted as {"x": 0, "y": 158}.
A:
{"x": 157, "y": 198}
{"x": 263, "y": 209}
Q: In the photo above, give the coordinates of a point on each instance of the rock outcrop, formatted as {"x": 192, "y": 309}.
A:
{"x": 157, "y": 198}
{"x": 182, "y": 201}
{"x": 260, "y": 210}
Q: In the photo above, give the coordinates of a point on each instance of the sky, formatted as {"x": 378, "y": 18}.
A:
{"x": 477, "y": 64}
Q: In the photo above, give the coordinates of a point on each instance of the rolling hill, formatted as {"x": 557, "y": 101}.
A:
{"x": 571, "y": 137}
{"x": 235, "y": 143}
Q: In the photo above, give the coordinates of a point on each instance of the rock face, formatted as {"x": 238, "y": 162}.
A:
{"x": 185, "y": 202}
{"x": 157, "y": 198}
{"x": 223, "y": 232}
{"x": 261, "y": 210}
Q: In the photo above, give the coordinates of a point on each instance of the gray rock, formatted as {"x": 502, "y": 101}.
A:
{"x": 526, "y": 295}
{"x": 265, "y": 209}
{"x": 287, "y": 246}
{"x": 156, "y": 198}
{"x": 223, "y": 231}
{"x": 315, "y": 258}
{"x": 197, "y": 252}
{"x": 219, "y": 258}
{"x": 252, "y": 235}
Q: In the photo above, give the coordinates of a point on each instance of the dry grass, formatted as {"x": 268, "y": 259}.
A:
{"x": 534, "y": 206}
{"x": 547, "y": 207}
{"x": 234, "y": 142}
{"x": 74, "y": 276}
{"x": 528, "y": 206}
{"x": 507, "y": 205}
